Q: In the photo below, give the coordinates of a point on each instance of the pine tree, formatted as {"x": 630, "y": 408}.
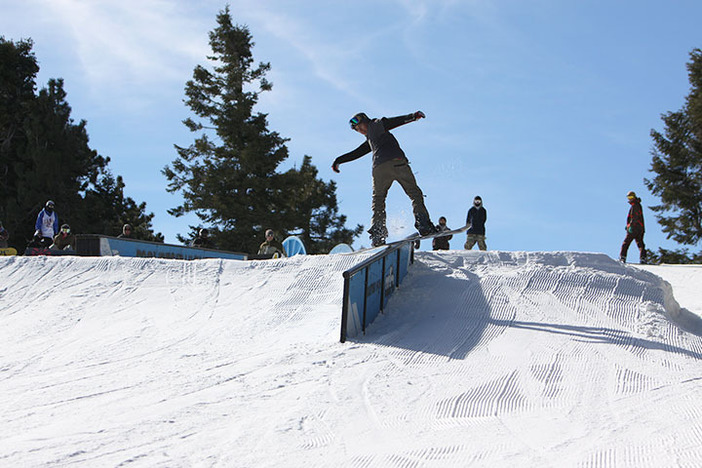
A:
{"x": 677, "y": 163}
{"x": 229, "y": 176}
{"x": 45, "y": 155}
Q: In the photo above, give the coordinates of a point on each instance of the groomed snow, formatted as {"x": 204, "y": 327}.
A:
{"x": 482, "y": 359}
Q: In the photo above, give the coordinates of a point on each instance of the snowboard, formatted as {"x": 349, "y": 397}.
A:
{"x": 8, "y": 251}
{"x": 418, "y": 237}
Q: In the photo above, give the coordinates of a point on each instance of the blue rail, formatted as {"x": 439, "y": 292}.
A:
{"x": 369, "y": 285}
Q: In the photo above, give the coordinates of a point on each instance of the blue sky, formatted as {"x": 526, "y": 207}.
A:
{"x": 542, "y": 107}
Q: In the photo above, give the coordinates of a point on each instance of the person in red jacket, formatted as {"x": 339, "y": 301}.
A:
{"x": 634, "y": 228}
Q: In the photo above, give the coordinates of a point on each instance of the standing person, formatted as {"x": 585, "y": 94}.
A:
{"x": 4, "y": 237}
{"x": 477, "y": 217}
{"x": 202, "y": 239}
{"x": 271, "y": 246}
{"x": 64, "y": 239}
{"x": 47, "y": 225}
{"x": 441, "y": 243}
{"x": 634, "y": 228}
{"x": 126, "y": 232}
{"x": 389, "y": 165}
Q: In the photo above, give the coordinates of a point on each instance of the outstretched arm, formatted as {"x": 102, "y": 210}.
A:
{"x": 362, "y": 150}
{"x": 394, "y": 122}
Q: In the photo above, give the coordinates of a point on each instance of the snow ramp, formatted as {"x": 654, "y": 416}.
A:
{"x": 481, "y": 359}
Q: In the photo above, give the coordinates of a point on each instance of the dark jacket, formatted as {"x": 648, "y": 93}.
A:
{"x": 441, "y": 243}
{"x": 203, "y": 242}
{"x": 380, "y": 141}
{"x": 476, "y": 218}
{"x": 635, "y": 220}
{"x": 271, "y": 248}
{"x": 61, "y": 241}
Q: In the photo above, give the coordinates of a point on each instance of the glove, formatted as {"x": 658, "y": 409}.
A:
{"x": 419, "y": 115}
{"x": 335, "y": 165}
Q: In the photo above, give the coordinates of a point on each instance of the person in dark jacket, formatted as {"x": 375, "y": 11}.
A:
{"x": 477, "y": 217}
{"x": 64, "y": 239}
{"x": 271, "y": 246}
{"x": 389, "y": 165}
{"x": 634, "y": 228}
{"x": 202, "y": 239}
{"x": 126, "y": 232}
{"x": 441, "y": 243}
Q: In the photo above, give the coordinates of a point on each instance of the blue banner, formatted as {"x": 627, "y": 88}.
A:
{"x": 97, "y": 245}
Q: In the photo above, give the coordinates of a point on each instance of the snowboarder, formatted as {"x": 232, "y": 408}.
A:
{"x": 476, "y": 218}
{"x": 634, "y": 228}
{"x": 389, "y": 165}
{"x": 47, "y": 225}
{"x": 441, "y": 243}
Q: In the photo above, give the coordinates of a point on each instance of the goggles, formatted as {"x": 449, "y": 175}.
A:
{"x": 477, "y": 202}
{"x": 630, "y": 197}
{"x": 355, "y": 120}
{"x": 66, "y": 230}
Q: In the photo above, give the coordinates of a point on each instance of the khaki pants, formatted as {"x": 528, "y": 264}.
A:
{"x": 471, "y": 239}
{"x": 383, "y": 177}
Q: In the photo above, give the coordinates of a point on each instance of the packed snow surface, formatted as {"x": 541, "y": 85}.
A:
{"x": 481, "y": 359}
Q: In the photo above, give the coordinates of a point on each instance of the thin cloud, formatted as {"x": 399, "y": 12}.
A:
{"x": 128, "y": 42}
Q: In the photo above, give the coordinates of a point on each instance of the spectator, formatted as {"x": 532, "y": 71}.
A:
{"x": 441, "y": 243}
{"x": 202, "y": 239}
{"x": 47, "y": 225}
{"x": 477, "y": 216}
{"x": 271, "y": 246}
{"x": 634, "y": 228}
{"x": 4, "y": 237}
{"x": 126, "y": 232}
{"x": 64, "y": 239}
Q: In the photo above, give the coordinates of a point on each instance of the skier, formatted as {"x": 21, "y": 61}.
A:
{"x": 389, "y": 165}
{"x": 442, "y": 242}
{"x": 477, "y": 216}
{"x": 634, "y": 228}
{"x": 47, "y": 225}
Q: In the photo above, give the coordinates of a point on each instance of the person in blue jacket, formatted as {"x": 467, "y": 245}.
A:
{"x": 47, "y": 225}
{"x": 389, "y": 165}
{"x": 477, "y": 216}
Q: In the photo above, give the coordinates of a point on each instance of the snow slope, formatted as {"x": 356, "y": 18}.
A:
{"x": 483, "y": 359}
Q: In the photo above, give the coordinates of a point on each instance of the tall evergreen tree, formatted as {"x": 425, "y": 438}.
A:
{"x": 677, "y": 163}
{"x": 45, "y": 155}
{"x": 230, "y": 179}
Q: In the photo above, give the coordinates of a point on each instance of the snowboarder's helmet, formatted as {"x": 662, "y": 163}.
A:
{"x": 357, "y": 119}
{"x": 50, "y": 204}
{"x": 477, "y": 200}
{"x": 631, "y": 195}
{"x": 66, "y": 228}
